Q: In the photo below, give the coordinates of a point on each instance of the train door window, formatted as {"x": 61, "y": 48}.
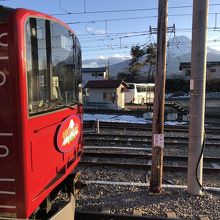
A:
{"x": 53, "y": 59}
{"x": 63, "y": 64}
{"x": 36, "y": 61}
{"x": 78, "y": 70}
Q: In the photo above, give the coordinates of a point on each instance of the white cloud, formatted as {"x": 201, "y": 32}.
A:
{"x": 121, "y": 56}
{"x": 92, "y": 30}
{"x": 102, "y": 57}
{"x": 91, "y": 65}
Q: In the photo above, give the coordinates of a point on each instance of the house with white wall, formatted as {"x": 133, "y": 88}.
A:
{"x": 212, "y": 71}
{"x": 100, "y": 73}
{"x": 107, "y": 94}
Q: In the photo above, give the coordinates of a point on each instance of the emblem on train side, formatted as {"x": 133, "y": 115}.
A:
{"x": 68, "y": 134}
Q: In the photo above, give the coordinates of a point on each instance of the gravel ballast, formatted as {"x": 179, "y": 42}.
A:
{"x": 124, "y": 200}
{"x": 121, "y": 199}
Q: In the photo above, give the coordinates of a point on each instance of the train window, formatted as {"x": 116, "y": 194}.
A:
{"x": 130, "y": 86}
{"x": 53, "y": 58}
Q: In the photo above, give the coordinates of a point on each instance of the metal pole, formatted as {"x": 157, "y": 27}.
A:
{"x": 97, "y": 126}
{"x": 197, "y": 96}
{"x": 159, "y": 100}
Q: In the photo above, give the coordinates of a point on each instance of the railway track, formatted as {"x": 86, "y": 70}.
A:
{"x": 145, "y": 166}
{"x": 80, "y": 215}
{"x": 111, "y": 142}
{"x": 127, "y": 140}
{"x": 144, "y": 156}
{"x": 146, "y": 136}
{"x": 116, "y": 165}
{"x": 145, "y": 127}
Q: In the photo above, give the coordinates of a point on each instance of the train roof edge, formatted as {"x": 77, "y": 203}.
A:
{"x": 4, "y": 13}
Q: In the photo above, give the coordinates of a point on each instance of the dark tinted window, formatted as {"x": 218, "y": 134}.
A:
{"x": 130, "y": 86}
{"x": 53, "y": 66}
{"x": 141, "y": 88}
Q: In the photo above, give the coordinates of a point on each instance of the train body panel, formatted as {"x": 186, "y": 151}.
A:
{"x": 33, "y": 108}
{"x": 7, "y": 160}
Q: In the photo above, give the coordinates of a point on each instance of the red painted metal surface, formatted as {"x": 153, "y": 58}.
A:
{"x": 31, "y": 163}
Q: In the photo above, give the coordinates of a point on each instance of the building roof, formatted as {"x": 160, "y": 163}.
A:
{"x": 187, "y": 65}
{"x": 99, "y": 84}
{"x": 94, "y": 70}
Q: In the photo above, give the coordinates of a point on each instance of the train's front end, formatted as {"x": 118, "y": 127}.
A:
{"x": 40, "y": 110}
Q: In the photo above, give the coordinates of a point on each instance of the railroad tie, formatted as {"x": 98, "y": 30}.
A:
{"x": 106, "y": 211}
{"x": 137, "y": 212}
{"x": 128, "y": 143}
{"x": 115, "y": 139}
{"x": 171, "y": 215}
{"x": 215, "y": 165}
{"x": 203, "y": 217}
{"x": 148, "y": 177}
{"x": 95, "y": 159}
{"x": 97, "y": 142}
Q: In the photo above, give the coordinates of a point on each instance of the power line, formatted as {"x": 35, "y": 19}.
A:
{"x": 134, "y": 18}
{"x": 116, "y": 19}
{"x": 62, "y": 7}
{"x": 124, "y": 10}
{"x": 119, "y": 46}
{"x": 116, "y": 34}
{"x": 124, "y": 35}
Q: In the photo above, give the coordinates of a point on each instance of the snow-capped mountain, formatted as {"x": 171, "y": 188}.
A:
{"x": 103, "y": 61}
{"x": 178, "y": 50}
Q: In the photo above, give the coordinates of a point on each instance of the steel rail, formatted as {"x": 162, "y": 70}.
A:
{"x": 145, "y": 166}
{"x": 142, "y": 136}
{"x": 147, "y": 156}
{"x": 81, "y": 215}
{"x": 142, "y": 142}
{"x": 119, "y": 125}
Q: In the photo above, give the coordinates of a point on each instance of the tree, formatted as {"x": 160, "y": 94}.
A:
{"x": 142, "y": 66}
{"x": 143, "y": 62}
{"x": 125, "y": 76}
{"x": 150, "y": 61}
{"x": 135, "y": 64}
{"x": 136, "y": 53}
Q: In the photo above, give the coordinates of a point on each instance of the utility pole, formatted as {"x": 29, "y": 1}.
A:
{"x": 159, "y": 100}
{"x": 197, "y": 96}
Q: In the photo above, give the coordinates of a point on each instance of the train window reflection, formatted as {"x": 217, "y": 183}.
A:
{"x": 53, "y": 66}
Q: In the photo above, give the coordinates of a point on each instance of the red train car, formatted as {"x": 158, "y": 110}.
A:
{"x": 40, "y": 110}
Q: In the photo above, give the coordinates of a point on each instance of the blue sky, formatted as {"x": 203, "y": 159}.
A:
{"x": 104, "y": 33}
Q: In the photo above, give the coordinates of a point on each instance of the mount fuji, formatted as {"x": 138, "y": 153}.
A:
{"x": 178, "y": 50}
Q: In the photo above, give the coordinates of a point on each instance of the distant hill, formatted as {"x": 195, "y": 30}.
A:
{"x": 103, "y": 62}
{"x": 178, "y": 50}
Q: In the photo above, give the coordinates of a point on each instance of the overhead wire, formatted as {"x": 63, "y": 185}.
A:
{"x": 63, "y": 8}
{"x": 108, "y": 37}
{"x": 134, "y": 34}
{"x": 134, "y": 18}
{"x": 126, "y": 10}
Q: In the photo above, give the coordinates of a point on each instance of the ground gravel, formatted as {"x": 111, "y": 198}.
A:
{"x": 124, "y": 200}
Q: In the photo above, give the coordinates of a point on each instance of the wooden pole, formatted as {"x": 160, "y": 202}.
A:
{"x": 159, "y": 100}
{"x": 197, "y": 96}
